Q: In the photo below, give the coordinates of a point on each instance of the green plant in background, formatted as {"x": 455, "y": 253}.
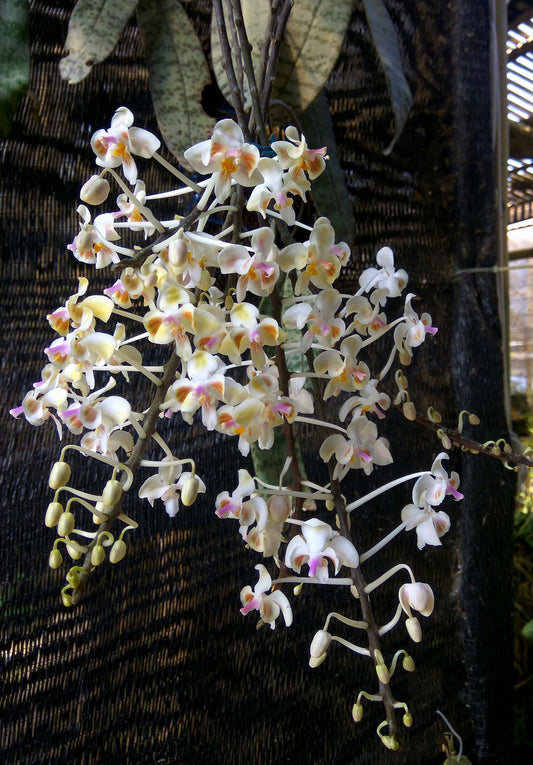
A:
{"x": 523, "y": 602}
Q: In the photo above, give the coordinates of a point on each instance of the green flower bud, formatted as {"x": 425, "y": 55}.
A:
{"x": 73, "y": 578}
{"x": 357, "y": 712}
{"x": 383, "y": 673}
{"x": 118, "y": 551}
{"x": 65, "y": 524}
{"x": 112, "y": 492}
{"x": 408, "y": 719}
{"x": 391, "y": 742}
{"x": 53, "y": 514}
{"x": 55, "y": 559}
{"x": 409, "y": 411}
{"x": 66, "y": 598}
{"x": 408, "y": 663}
{"x": 59, "y": 475}
{"x": 97, "y": 555}
{"x": 74, "y": 553}
{"x": 189, "y": 491}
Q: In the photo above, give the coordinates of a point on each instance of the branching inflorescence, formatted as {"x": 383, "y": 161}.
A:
{"x": 239, "y": 309}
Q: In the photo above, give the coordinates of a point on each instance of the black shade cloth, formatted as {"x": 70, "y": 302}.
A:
{"x": 156, "y": 665}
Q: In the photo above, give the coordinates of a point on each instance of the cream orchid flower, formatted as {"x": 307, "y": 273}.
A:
{"x": 269, "y": 606}
{"x": 384, "y": 278}
{"x": 361, "y": 450}
{"x": 227, "y": 157}
{"x": 276, "y": 187}
{"x": 294, "y": 156}
{"x": 322, "y": 325}
{"x": 114, "y": 147}
{"x": 167, "y": 484}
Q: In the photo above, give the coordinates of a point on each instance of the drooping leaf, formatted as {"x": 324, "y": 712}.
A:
{"x": 313, "y": 40}
{"x": 330, "y": 194}
{"x": 94, "y": 29}
{"x": 178, "y": 73}
{"x": 14, "y": 59}
{"x": 386, "y": 42}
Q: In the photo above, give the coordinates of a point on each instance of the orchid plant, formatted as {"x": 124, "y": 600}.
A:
{"x": 243, "y": 295}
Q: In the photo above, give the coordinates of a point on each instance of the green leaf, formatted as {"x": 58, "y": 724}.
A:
{"x": 313, "y": 40}
{"x": 527, "y": 630}
{"x": 14, "y": 59}
{"x": 315, "y": 33}
{"x": 386, "y": 42}
{"x": 178, "y": 73}
{"x": 329, "y": 191}
{"x": 94, "y": 29}
{"x": 268, "y": 463}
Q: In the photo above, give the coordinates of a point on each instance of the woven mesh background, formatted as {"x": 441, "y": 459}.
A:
{"x": 156, "y": 665}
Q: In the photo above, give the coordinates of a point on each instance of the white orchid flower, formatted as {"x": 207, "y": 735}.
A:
{"x": 269, "y": 606}
{"x": 317, "y": 544}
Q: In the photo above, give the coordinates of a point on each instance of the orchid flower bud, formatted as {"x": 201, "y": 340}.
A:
{"x": 73, "y": 578}
{"x": 74, "y": 553}
{"x": 383, "y": 673}
{"x": 320, "y": 643}
{"x": 189, "y": 491}
{"x": 409, "y": 411}
{"x": 65, "y": 524}
{"x": 357, "y": 712}
{"x": 414, "y": 629}
{"x": 408, "y": 663}
{"x": 55, "y": 559}
{"x": 95, "y": 190}
{"x": 118, "y": 551}
{"x": 53, "y": 514}
{"x": 59, "y": 475}
{"x": 97, "y": 555}
{"x": 112, "y": 492}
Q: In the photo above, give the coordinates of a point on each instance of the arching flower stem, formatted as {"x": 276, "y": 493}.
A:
{"x": 142, "y": 209}
{"x": 382, "y": 489}
{"x": 351, "y": 646}
{"x": 344, "y": 619}
{"x": 341, "y": 581}
{"x": 393, "y": 622}
{"x": 382, "y": 543}
{"x": 190, "y": 184}
{"x": 387, "y": 575}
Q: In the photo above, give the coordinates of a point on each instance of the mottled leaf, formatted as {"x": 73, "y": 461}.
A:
{"x": 386, "y": 42}
{"x": 94, "y": 29}
{"x": 313, "y": 40}
{"x": 178, "y": 73}
{"x": 14, "y": 59}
